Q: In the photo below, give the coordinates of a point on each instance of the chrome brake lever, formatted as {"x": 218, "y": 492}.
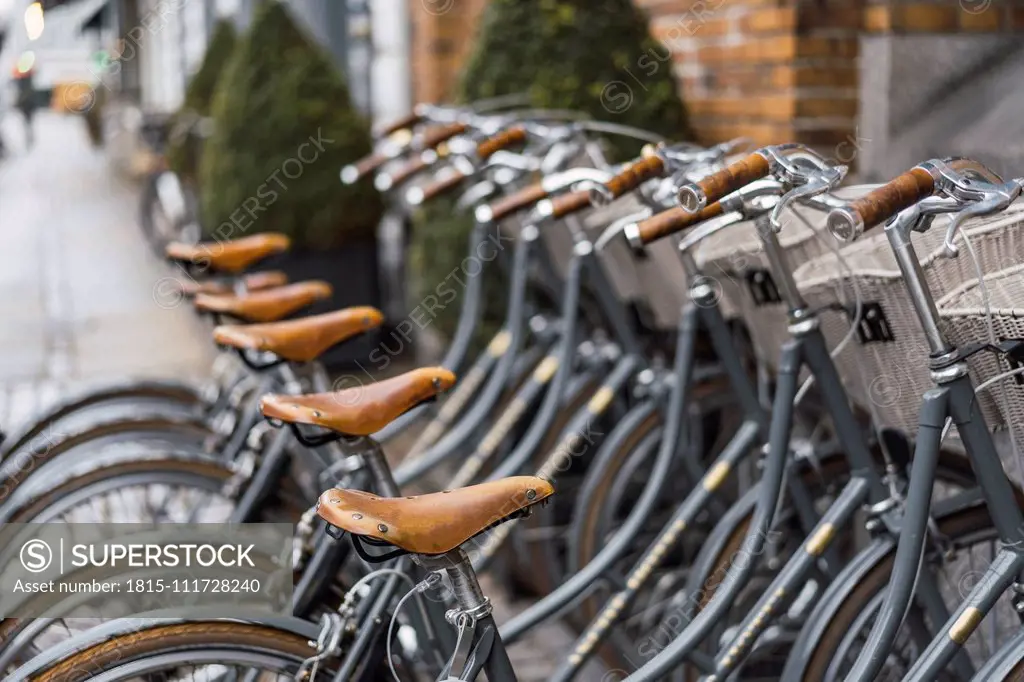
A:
{"x": 827, "y": 180}
{"x": 682, "y": 157}
{"x": 974, "y": 190}
{"x": 996, "y": 200}
{"x": 516, "y": 161}
{"x": 708, "y": 228}
{"x": 618, "y": 226}
{"x": 476, "y": 194}
{"x": 796, "y": 164}
{"x": 556, "y": 182}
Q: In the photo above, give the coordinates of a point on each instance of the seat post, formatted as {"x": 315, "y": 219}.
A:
{"x": 380, "y": 471}
{"x": 465, "y": 586}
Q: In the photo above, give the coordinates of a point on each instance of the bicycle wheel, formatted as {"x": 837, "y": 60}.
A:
{"x": 38, "y": 470}
{"x": 970, "y": 542}
{"x": 187, "y": 651}
{"x": 668, "y": 606}
{"x": 109, "y": 403}
{"x": 167, "y": 491}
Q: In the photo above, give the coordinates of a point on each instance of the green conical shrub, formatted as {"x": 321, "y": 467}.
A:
{"x": 594, "y": 56}
{"x": 283, "y": 125}
{"x": 183, "y": 149}
{"x": 584, "y": 55}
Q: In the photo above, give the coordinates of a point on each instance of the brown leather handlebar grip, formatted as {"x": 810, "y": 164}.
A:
{"x": 435, "y": 135}
{"x": 902, "y": 192}
{"x": 355, "y": 172}
{"x": 570, "y": 202}
{"x": 517, "y": 201}
{"x": 726, "y": 181}
{"x": 502, "y": 140}
{"x": 671, "y": 221}
{"x": 443, "y": 186}
{"x": 404, "y": 173}
{"x": 634, "y": 175}
{"x": 407, "y": 121}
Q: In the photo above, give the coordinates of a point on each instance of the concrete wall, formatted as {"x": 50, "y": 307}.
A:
{"x": 921, "y": 96}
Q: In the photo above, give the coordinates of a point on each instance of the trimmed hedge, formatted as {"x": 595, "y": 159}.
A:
{"x": 283, "y": 126}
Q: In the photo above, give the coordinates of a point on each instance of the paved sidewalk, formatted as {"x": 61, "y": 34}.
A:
{"x": 77, "y": 278}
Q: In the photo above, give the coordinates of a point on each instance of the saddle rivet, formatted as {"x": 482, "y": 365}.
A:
{"x": 531, "y": 494}
{"x": 437, "y": 382}
{"x": 335, "y": 500}
{"x": 357, "y": 516}
{"x": 382, "y": 528}
{"x": 316, "y": 413}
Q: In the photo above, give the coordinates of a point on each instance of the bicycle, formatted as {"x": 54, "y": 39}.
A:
{"x": 968, "y": 190}
{"x": 851, "y": 467}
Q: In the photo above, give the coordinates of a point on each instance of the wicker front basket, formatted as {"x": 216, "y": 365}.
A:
{"x": 884, "y": 366}
{"x": 966, "y": 319}
{"x": 735, "y": 259}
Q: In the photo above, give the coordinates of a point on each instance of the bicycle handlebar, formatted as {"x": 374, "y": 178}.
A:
{"x": 880, "y": 204}
{"x": 430, "y": 138}
{"x": 407, "y": 121}
{"x": 484, "y": 150}
{"x": 503, "y": 140}
{"x": 695, "y": 196}
{"x": 444, "y": 185}
{"x": 568, "y": 203}
{"x": 406, "y": 172}
{"x": 354, "y": 172}
{"x": 632, "y": 176}
{"x": 435, "y": 135}
{"x": 513, "y": 203}
{"x": 668, "y": 222}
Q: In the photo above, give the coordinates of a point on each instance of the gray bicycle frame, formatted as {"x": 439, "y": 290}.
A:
{"x": 451, "y": 444}
{"x": 806, "y": 348}
{"x": 701, "y": 311}
{"x": 455, "y": 357}
{"x": 597, "y": 569}
{"x": 485, "y": 363}
{"x": 953, "y": 398}
{"x": 583, "y": 259}
{"x": 375, "y": 604}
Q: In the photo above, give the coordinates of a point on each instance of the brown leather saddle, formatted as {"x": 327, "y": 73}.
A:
{"x": 229, "y": 257}
{"x": 267, "y": 305}
{"x": 435, "y": 523}
{"x": 300, "y": 340}
{"x": 360, "y": 410}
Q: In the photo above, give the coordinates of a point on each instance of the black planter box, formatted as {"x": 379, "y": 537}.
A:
{"x": 354, "y": 273}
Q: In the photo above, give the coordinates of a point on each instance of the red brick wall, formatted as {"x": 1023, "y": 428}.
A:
{"x": 766, "y": 69}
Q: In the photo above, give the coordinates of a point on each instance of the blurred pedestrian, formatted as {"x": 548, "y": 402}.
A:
{"x": 25, "y": 101}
